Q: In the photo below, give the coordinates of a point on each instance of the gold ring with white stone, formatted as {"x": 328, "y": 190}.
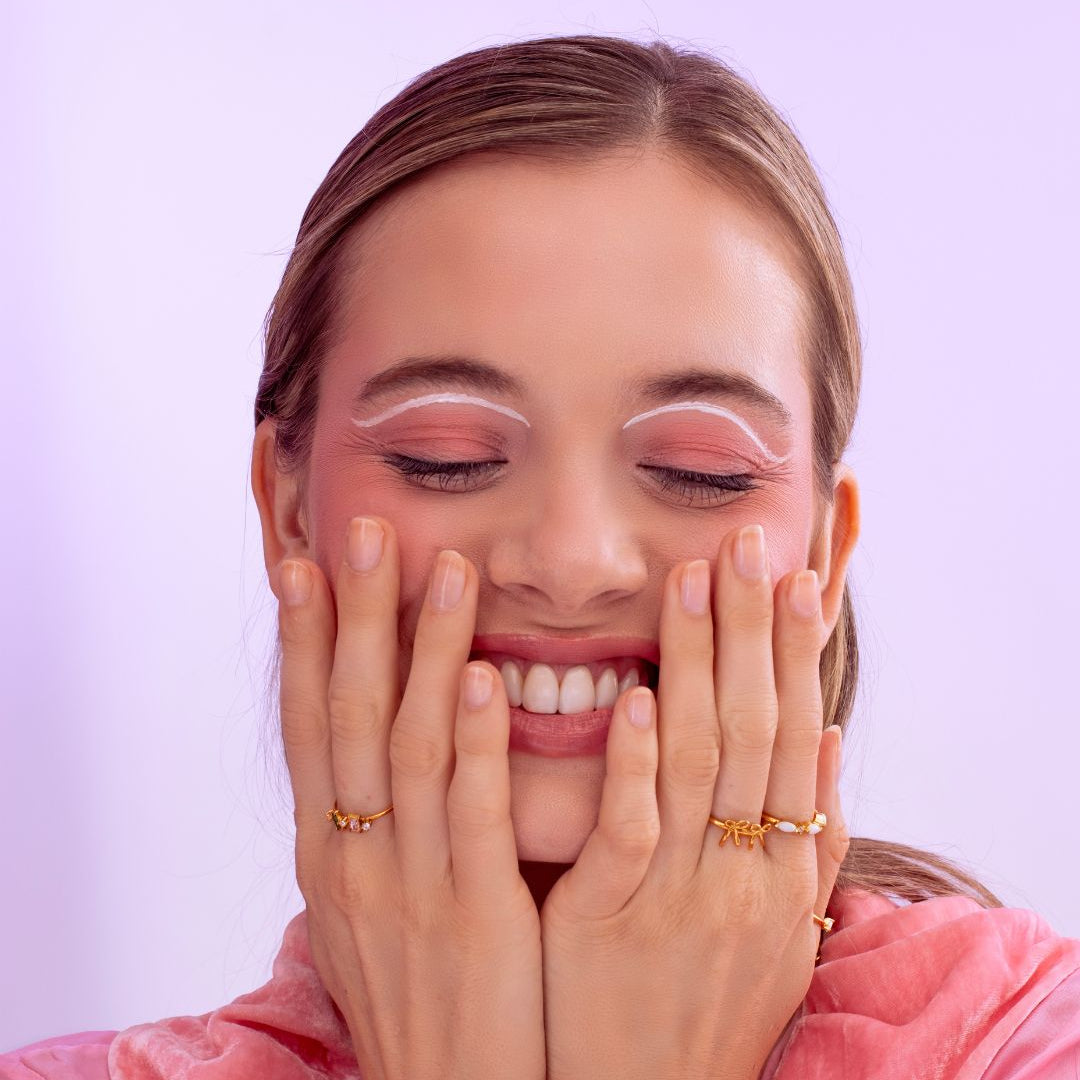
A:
{"x": 814, "y": 825}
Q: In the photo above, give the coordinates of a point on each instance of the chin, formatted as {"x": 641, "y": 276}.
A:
{"x": 554, "y": 804}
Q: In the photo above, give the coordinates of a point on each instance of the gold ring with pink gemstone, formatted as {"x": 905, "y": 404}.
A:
{"x": 354, "y": 822}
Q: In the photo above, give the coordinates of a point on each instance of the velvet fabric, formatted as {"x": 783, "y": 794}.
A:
{"x": 939, "y": 990}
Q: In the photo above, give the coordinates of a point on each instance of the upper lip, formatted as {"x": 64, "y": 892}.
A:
{"x": 566, "y": 650}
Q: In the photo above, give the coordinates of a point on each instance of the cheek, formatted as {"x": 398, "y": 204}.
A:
{"x": 423, "y": 528}
{"x": 788, "y": 526}
{"x": 336, "y": 499}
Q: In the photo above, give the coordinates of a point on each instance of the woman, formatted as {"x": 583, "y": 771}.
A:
{"x": 548, "y": 461}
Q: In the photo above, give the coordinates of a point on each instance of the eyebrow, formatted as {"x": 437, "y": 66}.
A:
{"x": 467, "y": 371}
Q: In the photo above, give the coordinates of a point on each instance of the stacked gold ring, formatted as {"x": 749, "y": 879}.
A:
{"x": 756, "y": 832}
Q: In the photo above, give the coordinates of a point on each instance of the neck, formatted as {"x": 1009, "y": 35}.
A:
{"x": 541, "y": 877}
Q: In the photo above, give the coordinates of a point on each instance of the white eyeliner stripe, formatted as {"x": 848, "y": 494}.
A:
{"x": 707, "y": 407}
{"x": 434, "y": 399}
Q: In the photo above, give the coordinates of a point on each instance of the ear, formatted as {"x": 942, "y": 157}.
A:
{"x": 835, "y": 542}
{"x": 279, "y": 497}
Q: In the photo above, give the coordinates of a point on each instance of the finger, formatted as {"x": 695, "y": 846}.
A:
{"x": 363, "y": 691}
{"x": 306, "y": 629}
{"x": 833, "y": 841}
{"x": 422, "y": 738}
{"x": 483, "y": 851}
{"x": 798, "y": 637}
{"x": 688, "y": 732}
{"x": 617, "y": 853}
{"x": 746, "y": 686}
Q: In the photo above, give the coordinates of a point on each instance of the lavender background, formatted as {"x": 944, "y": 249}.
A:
{"x": 159, "y": 158}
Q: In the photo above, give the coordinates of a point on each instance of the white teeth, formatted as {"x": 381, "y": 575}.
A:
{"x": 541, "y": 690}
{"x": 607, "y": 689}
{"x": 540, "y": 694}
{"x": 577, "y": 692}
{"x": 511, "y": 674}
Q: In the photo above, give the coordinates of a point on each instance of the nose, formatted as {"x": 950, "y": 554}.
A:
{"x": 567, "y": 550}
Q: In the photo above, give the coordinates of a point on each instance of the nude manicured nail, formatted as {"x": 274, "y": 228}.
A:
{"x": 295, "y": 582}
{"x": 640, "y": 708}
{"x": 448, "y": 581}
{"x": 478, "y": 686}
{"x": 750, "y": 560}
{"x": 805, "y": 594}
{"x": 365, "y": 544}
{"x": 694, "y": 592}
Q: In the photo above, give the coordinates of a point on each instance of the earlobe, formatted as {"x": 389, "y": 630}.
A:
{"x": 277, "y": 495}
{"x": 840, "y": 532}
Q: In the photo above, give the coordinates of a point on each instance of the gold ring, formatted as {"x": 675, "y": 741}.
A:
{"x": 741, "y": 828}
{"x": 354, "y": 822}
{"x": 814, "y": 825}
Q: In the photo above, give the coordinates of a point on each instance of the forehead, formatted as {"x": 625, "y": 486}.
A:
{"x": 614, "y": 268}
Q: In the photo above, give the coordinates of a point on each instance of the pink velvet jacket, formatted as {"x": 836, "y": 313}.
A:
{"x": 939, "y": 990}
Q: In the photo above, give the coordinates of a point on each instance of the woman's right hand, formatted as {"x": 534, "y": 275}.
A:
{"x": 422, "y": 929}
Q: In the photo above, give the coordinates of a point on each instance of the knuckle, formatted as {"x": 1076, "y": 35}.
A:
{"x": 353, "y": 714}
{"x": 799, "y": 738}
{"x": 839, "y": 840}
{"x": 471, "y": 819}
{"x": 804, "y": 645}
{"x": 749, "y": 729}
{"x": 360, "y": 605}
{"x": 346, "y": 890}
{"x": 633, "y": 838}
{"x": 636, "y": 765}
{"x": 300, "y": 727}
{"x": 474, "y": 740}
{"x": 695, "y": 761}
{"x": 750, "y": 618}
{"x": 413, "y": 756}
{"x": 694, "y": 650}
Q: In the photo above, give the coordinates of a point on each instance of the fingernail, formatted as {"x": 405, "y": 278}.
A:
{"x": 640, "y": 707}
{"x": 804, "y": 593}
{"x": 365, "y": 544}
{"x": 295, "y": 582}
{"x": 695, "y": 586}
{"x": 750, "y": 553}
{"x": 478, "y": 684}
{"x": 448, "y": 581}
{"x": 837, "y": 755}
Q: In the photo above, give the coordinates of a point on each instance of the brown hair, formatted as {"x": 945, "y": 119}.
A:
{"x": 573, "y": 98}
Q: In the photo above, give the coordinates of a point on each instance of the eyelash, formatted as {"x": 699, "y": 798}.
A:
{"x": 688, "y": 485}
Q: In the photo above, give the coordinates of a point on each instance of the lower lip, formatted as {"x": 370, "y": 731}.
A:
{"x": 559, "y": 735}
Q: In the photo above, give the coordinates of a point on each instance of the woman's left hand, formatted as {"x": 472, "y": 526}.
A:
{"x": 665, "y": 952}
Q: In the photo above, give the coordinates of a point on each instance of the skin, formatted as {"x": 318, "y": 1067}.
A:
{"x": 613, "y": 289}
{"x": 578, "y": 281}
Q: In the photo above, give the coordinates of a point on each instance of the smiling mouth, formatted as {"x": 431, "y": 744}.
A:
{"x": 568, "y": 689}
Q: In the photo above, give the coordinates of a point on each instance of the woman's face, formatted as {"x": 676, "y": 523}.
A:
{"x": 594, "y": 331}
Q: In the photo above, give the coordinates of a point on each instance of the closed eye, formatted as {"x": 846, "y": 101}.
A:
{"x": 695, "y": 488}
